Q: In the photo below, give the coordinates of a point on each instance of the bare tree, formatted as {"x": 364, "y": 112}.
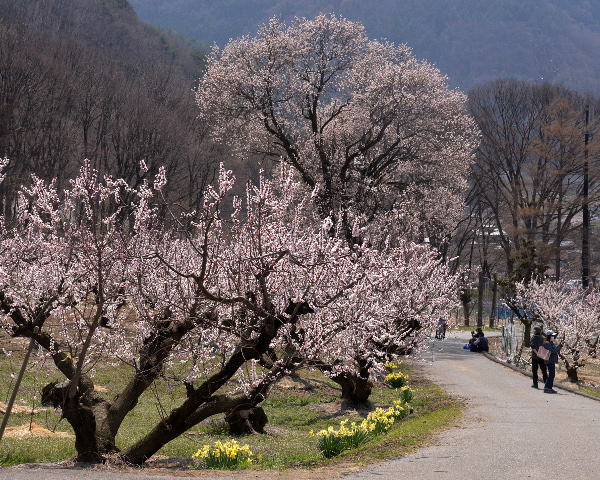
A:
{"x": 527, "y": 177}
{"x": 65, "y": 97}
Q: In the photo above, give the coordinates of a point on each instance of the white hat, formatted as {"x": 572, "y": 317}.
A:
{"x": 550, "y": 332}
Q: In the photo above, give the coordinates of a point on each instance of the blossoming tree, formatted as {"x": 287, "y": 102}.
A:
{"x": 572, "y": 312}
{"x": 375, "y": 133}
{"x": 218, "y": 302}
{"x": 407, "y": 291}
{"x": 374, "y": 127}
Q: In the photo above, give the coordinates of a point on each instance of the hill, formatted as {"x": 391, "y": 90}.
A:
{"x": 469, "y": 40}
{"x": 88, "y": 79}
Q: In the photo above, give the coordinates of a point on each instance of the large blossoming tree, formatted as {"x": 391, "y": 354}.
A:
{"x": 378, "y": 131}
{"x": 219, "y": 301}
{"x": 374, "y": 132}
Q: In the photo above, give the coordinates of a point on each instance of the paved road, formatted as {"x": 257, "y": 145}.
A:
{"x": 510, "y": 431}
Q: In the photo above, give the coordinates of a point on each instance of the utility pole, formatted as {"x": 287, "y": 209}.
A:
{"x": 480, "y": 299}
{"x": 494, "y": 295}
{"x": 585, "y": 231}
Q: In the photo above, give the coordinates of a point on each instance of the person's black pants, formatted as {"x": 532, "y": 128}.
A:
{"x": 551, "y": 372}
{"x": 535, "y": 362}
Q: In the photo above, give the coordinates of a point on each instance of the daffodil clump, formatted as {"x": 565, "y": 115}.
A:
{"x": 332, "y": 442}
{"x": 380, "y": 421}
{"x": 397, "y": 380}
{"x": 400, "y": 410}
{"x": 406, "y": 394}
{"x": 391, "y": 366}
{"x": 227, "y": 455}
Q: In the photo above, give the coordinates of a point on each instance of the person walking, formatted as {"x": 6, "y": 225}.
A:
{"x": 552, "y": 361}
{"x": 441, "y": 330}
{"x": 536, "y": 340}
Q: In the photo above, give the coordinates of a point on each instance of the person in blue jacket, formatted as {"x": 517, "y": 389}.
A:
{"x": 552, "y": 361}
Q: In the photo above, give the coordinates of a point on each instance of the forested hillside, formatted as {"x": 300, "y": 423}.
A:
{"x": 469, "y": 40}
{"x": 88, "y": 79}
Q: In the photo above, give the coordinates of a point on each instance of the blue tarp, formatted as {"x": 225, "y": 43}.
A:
{"x": 503, "y": 312}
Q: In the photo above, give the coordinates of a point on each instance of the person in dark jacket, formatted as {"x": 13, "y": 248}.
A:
{"x": 480, "y": 344}
{"x": 552, "y": 361}
{"x": 535, "y": 341}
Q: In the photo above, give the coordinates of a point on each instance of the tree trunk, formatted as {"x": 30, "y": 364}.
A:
{"x": 480, "y": 300}
{"x": 247, "y": 421}
{"x": 571, "y": 368}
{"x": 354, "y": 388}
{"x": 96, "y": 421}
{"x": 362, "y": 390}
{"x": 466, "y": 313}
{"x": 93, "y": 437}
{"x": 572, "y": 375}
{"x": 357, "y": 388}
{"x": 87, "y": 415}
{"x": 527, "y": 334}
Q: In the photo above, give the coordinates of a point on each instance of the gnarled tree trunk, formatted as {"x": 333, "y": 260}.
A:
{"x": 356, "y": 388}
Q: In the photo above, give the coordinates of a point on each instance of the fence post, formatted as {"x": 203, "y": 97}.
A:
{"x": 16, "y": 389}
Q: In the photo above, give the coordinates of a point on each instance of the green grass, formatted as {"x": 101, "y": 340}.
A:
{"x": 11, "y": 459}
{"x": 590, "y": 391}
{"x": 292, "y": 414}
{"x": 14, "y": 451}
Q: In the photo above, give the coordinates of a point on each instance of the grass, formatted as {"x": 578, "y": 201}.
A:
{"x": 11, "y": 459}
{"x": 590, "y": 391}
{"x": 14, "y": 451}
{"x": 292, "y": 413}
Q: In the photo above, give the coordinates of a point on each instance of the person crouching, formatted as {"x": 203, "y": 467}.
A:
{"x": 480, "y": 344}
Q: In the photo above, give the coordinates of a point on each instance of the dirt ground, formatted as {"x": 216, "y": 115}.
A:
{"x": 33, "y": 430}
{"x": 180, "y": 467}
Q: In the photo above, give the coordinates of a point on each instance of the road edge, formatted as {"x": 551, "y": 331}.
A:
{"x": 529, "y": 374}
